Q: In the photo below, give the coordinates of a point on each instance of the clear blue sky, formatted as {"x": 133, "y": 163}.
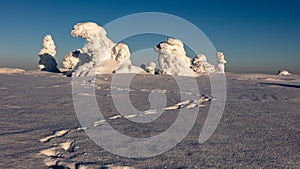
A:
{"x": 256, "y": 36}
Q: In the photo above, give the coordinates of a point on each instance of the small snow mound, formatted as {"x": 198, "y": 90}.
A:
{"x": 118, "y": 167}
{"x": 283, "y": 73}
{"x": 11, "y": 70}
{"x": 128, "y": 68}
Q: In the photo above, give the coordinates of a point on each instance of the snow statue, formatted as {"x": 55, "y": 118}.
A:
{"x": 121, "y": 54}
{"x": 72, "y": 59}
{"x": 105, "y": 55}
{"x": 200, "y": 65}
{"x": 283, "y": 73}
{"x": 47, "y": 61}
{"x": 151, "y": 68}
{"x": 221, "y": 62}
{"x": 48, "y": 46}
{"x": 172, "y": 58}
